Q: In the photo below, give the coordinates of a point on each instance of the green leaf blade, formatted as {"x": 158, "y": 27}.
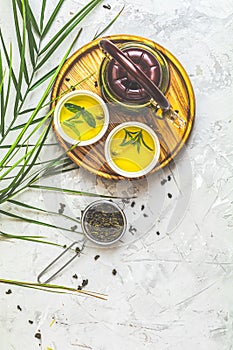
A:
{"x": 99, "y": 34}
{"x": 42, "y": 12}
{"x": 91, "y": 5}
{"x": 73, "y": 108}
{"x": 9, "y": 64}
{"x": 89, "y": 119}
{"x": 52, "y": 17}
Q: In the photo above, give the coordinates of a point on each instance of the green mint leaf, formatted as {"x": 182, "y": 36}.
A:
{"x": 145, "y": 144}
{"x": 73, "y": 108}
{"x": 75, "y": 117}
{"x": 78, "y": 121}
{"x": 126, "y": 143}
{"x": 99, "y": 117}
{"x": 88, "y": 117}
{"x": 72, "y": 127}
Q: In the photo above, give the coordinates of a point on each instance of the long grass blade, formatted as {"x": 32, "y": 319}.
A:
{"x": 35, "y": 222}
{"x": 34, "y": 114}
{"x": 57, "y": 172}
{"x": 3, "y": 115}
{"x": 2, "y": 76}
{"x": 26, "y": 169}
{"x": 72, "y": 23}
{"x": 52, "y": 18}
{"x": 22, "y": 158}
{"x": 21, "y": 41}
{"x": 6, "y": 192}
{"x": 20, "y": 126}
{"x": 54, "y": 47}
{"x": 32, "y": 17}
{"x": 67, "y": 162}
{"x": 38, "y": 174}
{"x": 65, "y": 190}
{"x": 22, "y": 47}
{"x": 99, "y": 34}
{"x": 42, "y": 80}
{"x": 42, "y": 12}
{"x": 37, "y": 127}
{"x": 35, "y": 239}
{"x": 30, "y": 145}
{"x": 49, "y": 287}
{"x": 30, "y": 207}
{"x": 9, "y": 63}
{"x": 48, "y": 103}
{"x": 25, "y": 111}
{"x": 31, "y": 38}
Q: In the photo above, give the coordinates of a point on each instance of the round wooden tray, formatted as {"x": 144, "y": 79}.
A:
{"x": 86, "y": 63}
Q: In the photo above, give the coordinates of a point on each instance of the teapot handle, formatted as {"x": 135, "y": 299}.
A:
{"x": 142, "y": 79}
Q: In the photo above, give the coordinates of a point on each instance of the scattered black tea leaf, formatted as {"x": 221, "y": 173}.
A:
{"x": 75, "y": 276}
{"x": 62, "y": 208}
{"x": 84, "y": 283}
{"x": 114, "y": 272}
{"x": 108, "y": 7}
{"x": 97, "y": 257}
{"x": 132, "y": 230}
{"x": 19, "y": 308}
{"x": 38, "y": 335}
{"x": 9, "y": 291}
{"x": 169, "y": 195}
{"x": 77, "y": 250}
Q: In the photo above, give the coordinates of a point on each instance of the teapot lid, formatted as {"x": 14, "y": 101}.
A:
{"x": 134, "y": 74}
{"x": 124, "y": 85}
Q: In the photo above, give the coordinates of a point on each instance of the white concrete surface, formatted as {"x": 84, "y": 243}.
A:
{"x": 172, "y": 291}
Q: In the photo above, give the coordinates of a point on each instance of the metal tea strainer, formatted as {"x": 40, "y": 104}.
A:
{"x": 103, "y": 222}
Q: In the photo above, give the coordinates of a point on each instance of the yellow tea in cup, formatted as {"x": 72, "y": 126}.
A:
{"x": 132, "y": 149}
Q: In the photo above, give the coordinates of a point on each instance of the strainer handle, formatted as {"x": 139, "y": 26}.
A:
{"x": 142, "y": 79}
{"x": 77, "y": 253}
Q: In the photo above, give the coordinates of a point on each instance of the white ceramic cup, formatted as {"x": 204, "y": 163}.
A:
{"x": 118, "y": 170}
{"x": 57, "y": 112}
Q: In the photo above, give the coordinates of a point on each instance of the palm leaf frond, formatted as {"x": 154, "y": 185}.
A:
{"x": 35, "y": 222}
{"x": 37, "y": 209}
{"x": 75, "y": 19}
{"x": 52, "y": 17}
{"x": 53, "y": 288}
{"x": 109, "y": 25}
{"x": 32, "y": 17}
{"x": 9, "y": 63}
{"x": 34, "y": 114}
{"x": 34, "y": 239}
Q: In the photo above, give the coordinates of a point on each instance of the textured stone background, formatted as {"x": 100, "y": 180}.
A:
{"x": 174, "y": 290}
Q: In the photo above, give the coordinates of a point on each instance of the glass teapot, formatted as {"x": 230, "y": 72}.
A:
{"x": 136, "y": 76}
